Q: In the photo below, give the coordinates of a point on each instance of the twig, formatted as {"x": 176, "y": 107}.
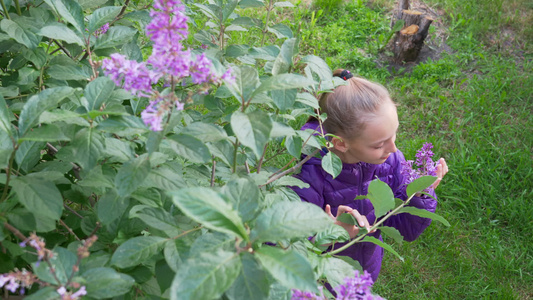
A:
{"x": 63, "y": 48}
{"x": 4, "y": 8}
{"x": 17, "y": 7}
{"x": 375, "y": 226}
{"x": 15, "y": 231}
{"x": 187, "y": 232}
{"x": 72, "y": 211}
{"x": 213, "y": 169}
{"x": 98, "y": 225}
{"x": 303, "y": 161}
{"x": 69, "y": 230}
{"x": 119, "y": 16}
{"x": 8, "y": 173}
{"x": 261, "y": 159}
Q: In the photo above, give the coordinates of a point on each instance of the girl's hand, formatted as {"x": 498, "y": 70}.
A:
{"x": 352, "y": 229}
{"x": 442, "y": 169}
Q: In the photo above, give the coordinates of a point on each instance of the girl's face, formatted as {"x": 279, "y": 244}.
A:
{"x": 376, "y": 141}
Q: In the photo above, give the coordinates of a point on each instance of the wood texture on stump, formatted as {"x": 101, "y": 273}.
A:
{"x": 409, "y": 41}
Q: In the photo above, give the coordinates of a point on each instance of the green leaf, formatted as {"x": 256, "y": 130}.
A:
{"x": 246, "y": 81}
{"x": 39, "y": 196}
{"x": 252, "y": 282}
{"x": 332, "y": 164}
{"x": 205, "y": 132}
{"x": 101, "y": 16}
{"x": 286, "y": 220}
{"x": 87, "y": 145}
{"x": 252, "y": 129}
{"x": 137, "y": 250}
{"x": 165, "y": 177}
{"x": 283, "y": 62}
{"x": 37, "y": 56}
{"x": 62, "y": 263}
{"x": 207, "y": 276}
{"x": 19, "y": 34}
{"x": 172, "y": 254}
{"x": 245, "y": 196}
{"x": 282, "y": 82}
{"x": 190, "y": 148}
{"x": 60, "y": 31}
{"x": 5, "y": 117}
{"x": 420, "y": 184}
{"x": 289, "y": 268}
{"x": 111, "y": 207}
{"x": 281, "y": 31}
{"x": 381, "y": 196}
{"x": 68, "y": 72}
{"x": 348, "y": 219}
{"x": 228, "y": 8}
{"x": 209, "y": 208}
{"x": 251, "y": 3}
{"x": 294, "y": 144}
{"x": 392, "y": 233}
{"x": 424, "y": 214}
{"x": 383, "y": 245}
{"x": 334, "y": 233}
{"x": 336, "y": 270}
{"x": 115, "y": 36}
{"x": 284, "y": 99}
{"x": 46, "y": 293}
{"x": 97, "y": 92}
{"x": 307, "y": 99}
{"x": 283, "y": 4}
{"x": 39, "y": 103}
{"x": 398, "y": 25}
{"x": 318, "y": 66}
{"x": 156, "y": 218}
{"x": 70, "y": 11}
{"x": 45, "y": 133}
{"x": 208, "y": 10}
{"x": 131, "y": 175}
{"x": 105, "y": 283}
{"x": 28, "y": 154}
{"x": 290, "y": 181}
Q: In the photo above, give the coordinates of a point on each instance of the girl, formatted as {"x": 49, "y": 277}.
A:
{"x": 364, "y": 118}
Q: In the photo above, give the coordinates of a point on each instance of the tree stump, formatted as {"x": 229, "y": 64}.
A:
{"x": 409, "y": 40}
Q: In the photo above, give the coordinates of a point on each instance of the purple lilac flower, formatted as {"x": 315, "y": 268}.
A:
{"x": 356, "y": 287}
{"x": 17, "y": 279}
{"x": 152, "y": 116}
{"x": 102, "y": 30}
{"x": 424, "y": 165}
{"x": 303, "y": 295}
{"x": 170, "y": 61}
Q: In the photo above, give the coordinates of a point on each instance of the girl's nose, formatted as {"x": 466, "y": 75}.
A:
{"x": 392, "y": 147}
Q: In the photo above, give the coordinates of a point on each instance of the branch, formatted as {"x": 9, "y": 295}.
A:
{"x": 4, "y": 8}
{"x": 15, "y": 231}
{"x": 69, "y": 229}
{"x": 213, "y": 169}
{"x": 119, "y": 16}
{"x": 261, "y": 159}
{"x": 72, "y": 211}
{"x": 63, "y": 48}
{"x": 303, "y": 161}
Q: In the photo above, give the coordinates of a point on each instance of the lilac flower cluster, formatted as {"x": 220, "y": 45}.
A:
{"x": 357, "y": 287}
{"x": 17, "y": 279}
{"x": 66, "y": 295}
{"x": 170, "y": 62}
{"x": 424, "y": 165}
{"x": 102, "y": 30}
{"x": 38, "y": 244}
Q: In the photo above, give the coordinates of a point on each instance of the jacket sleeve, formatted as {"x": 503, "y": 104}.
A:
{"x": 410, "y": 226}
{"x": 312, "y": 175}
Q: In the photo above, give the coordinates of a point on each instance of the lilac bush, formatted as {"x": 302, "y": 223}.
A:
{"x": 170, "y": 62}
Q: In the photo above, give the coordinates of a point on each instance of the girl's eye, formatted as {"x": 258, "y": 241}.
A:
{"x": 378, "y": 147}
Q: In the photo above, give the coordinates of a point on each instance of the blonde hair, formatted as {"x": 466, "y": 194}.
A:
{"x": 350, "y": 106}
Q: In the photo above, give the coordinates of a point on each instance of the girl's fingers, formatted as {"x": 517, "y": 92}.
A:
{"x": 343, "y": 209}
{"x": 328, "y": 211}
{"x": 363, "y": 222}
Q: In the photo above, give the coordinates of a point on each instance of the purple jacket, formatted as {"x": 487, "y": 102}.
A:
{"x": 353, "y": 181}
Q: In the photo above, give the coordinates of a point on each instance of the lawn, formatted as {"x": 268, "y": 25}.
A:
{"x": 473, "y": 99}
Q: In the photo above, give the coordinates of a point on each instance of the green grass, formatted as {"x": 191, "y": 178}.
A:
{"x": 475, "y": 105}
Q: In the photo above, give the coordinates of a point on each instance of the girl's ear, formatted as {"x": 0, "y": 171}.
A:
{"x": 339, "y": 144}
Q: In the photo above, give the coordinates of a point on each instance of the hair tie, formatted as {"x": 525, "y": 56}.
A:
{"x": 345, "y": 74}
